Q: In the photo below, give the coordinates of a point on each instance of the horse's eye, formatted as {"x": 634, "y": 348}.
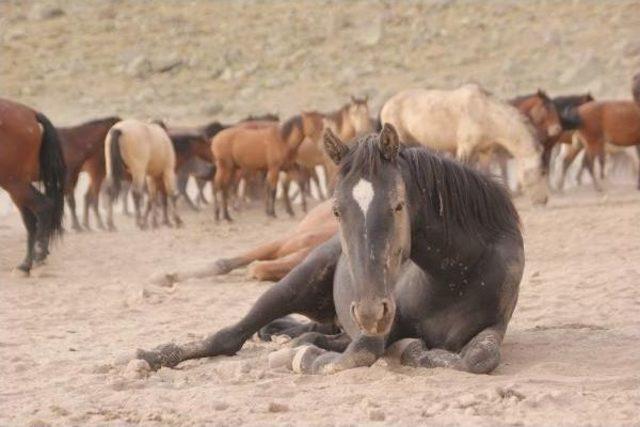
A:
{"x": 399, "y": 207}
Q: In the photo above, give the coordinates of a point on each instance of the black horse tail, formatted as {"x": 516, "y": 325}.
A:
{"x": 117, "y": 164}
{"x": 570, "y": 119}
{"x": 52, "y": 172}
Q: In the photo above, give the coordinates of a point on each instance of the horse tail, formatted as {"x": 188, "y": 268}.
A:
{"x": 52, "y": 172}
{"x": 570, "y": 118}
{"x": 115, "y": 169}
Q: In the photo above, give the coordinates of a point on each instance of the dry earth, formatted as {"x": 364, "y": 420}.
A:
{"x": 571, "y": 355}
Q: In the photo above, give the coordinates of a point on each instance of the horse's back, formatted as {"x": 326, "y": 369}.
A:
{"x": 616, "y": 121}
{"x": 145, "y": 147}
{"x": 246, "y": 146}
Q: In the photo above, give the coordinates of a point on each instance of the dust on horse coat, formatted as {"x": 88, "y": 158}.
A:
{"x": 30, "y": 151}
{"x": 83, "y": 150}
{"x": 465, "y": 120}
{"x": 427, "y": 265}
{"x": 146, "y": 152}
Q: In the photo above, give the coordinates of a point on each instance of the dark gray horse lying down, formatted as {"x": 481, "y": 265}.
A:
{"x": 427, "y": 264}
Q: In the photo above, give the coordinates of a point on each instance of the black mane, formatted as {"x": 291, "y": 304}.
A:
{"x": 567, "y": 109}
{"x": 462, "y": 197}
{"x": 292, "y": 123}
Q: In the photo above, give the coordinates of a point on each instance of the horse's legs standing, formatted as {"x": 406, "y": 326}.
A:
{"x": 571, "y": 152}
{"x": 272, "y": 186}
{"x": 286, "y": 186}
{"x": 126, "y": 189}
{"x": 29, "y": 220}
{"x": 169, "y": 185}
{"x": 480, "y": 355}
{"x": 70, "y": 185}
{"x": 307, "y": 290}
{"x": 137, "y": 188}
{"x": 92, "y": 198}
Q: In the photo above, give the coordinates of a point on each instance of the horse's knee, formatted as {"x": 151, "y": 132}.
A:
{"x": 482, "y": 359}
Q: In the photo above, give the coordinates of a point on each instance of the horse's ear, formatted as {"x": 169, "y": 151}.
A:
{"x": 389, "y": 142}
{"x": 336, "y": 149}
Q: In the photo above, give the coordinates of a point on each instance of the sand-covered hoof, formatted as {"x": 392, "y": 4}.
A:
{"x": 282, "y": 358}
{"x": 304, "y": 357}
{"x": 168, "y": 355}
{"x": 163, "y": 279}
{"x": 222, "y": 266}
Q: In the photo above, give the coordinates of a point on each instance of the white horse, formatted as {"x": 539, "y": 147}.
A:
{"x": 466, "y": 121}
{"x": 145, "y": 151}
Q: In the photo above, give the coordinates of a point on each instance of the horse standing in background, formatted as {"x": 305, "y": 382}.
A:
{"x": 465, "y": 121}
{"x": 83, "y": 150}
{"x": 30, "y": 151}
{"x": 146, "y": 152}
{"x": 254, "y": 146}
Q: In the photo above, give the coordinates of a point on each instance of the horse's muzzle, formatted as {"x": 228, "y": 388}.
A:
{"x": 374, "y": 317}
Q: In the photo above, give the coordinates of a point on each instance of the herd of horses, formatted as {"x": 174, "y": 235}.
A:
{"x": 417, "y": 252}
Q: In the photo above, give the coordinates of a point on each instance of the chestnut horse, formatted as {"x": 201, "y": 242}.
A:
{"x": 468, "y": 120}
{"x": 146, "y": 152}
{"x": 613, "y": 122}
{"x": 275, "y": 258}
{"x": 83, "y": 150}
{"x": 350, "y": 120}
{"x": 254, "y": 146}
{"x": 30, "y": 151}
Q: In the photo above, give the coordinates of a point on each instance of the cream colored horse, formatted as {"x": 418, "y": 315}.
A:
{"x": 465, "y": 121}
{"x": 144, "y": 150}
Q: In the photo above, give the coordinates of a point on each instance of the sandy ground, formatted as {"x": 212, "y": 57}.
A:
{"x": 570, "y": 357}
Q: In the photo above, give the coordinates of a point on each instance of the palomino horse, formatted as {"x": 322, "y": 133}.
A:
{"x": 83, "y": 150}
{"x": 275, "y": 259}
{"x": 145, "y": 151}
{"x": 467, "y": 120}
{"x": 254, "y": 146}
{"x": 615, "y": 122}
{"x": 542, "y": 114}
{"x": 30, "y": 151}
{"x": 427, "y": 265}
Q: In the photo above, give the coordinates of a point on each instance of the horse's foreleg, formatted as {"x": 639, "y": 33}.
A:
{"x": 307, "y": 290}
{"x": 310, "y": 359}
{"x": 571, "y": 152}
{"x": 480, "y": 355}
{"x": 96, "y": 183}
{"x": 589, "y": 163}
{"x": 169, "y": 181}
{"x": 29, "y": 220}
{"x": 110, "y": 200}
{"x": 272, "y": 186}
{"x": 71, "y": 203}
{"x": 286, "y": 186}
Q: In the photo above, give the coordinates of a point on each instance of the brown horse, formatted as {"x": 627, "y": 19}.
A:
{"x": 30, "y": 151}
{"x": 83, "y": 150}
{"x": 615, "y": 122}
{"x": 350, "y": 120}
{"x": 254, "y": 146}
{"x": 275, "y": 258}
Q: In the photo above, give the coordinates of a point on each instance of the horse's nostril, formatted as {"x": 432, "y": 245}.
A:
{"x": 385, "y": 309}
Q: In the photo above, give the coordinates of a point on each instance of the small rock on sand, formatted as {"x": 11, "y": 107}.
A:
{"x": 278, "y": 407}
{"x": 377, "y": 415}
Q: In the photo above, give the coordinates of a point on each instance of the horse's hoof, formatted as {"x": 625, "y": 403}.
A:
{"x": 282, "y": 358}
{"x": 302, "y": 362}
{"x": 222, "y": 266}
{"x": 21, "y": 271}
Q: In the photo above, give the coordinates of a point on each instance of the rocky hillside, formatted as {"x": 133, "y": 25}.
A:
{"x": 188, "y": 61}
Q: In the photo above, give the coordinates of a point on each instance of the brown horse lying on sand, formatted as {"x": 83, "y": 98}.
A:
{"x": 615, "y": 122}
{"x": 30, "y": 151}
{"x": 83, "y": 150}
{"x": 254, "y": 146}
{"x": 275, "y": 259}
{"x": 146, "y": 152}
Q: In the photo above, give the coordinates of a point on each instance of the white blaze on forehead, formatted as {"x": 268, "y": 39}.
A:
{"x": 363, "y": 194}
